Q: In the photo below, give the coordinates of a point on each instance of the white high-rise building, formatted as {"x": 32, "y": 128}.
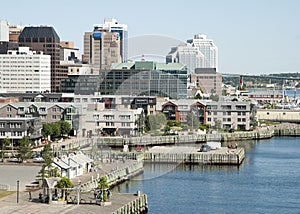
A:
{"x": 4, "y": 31}
{"x": 25, "y": 71}
{"x": 207, "y": 48}
{"x": 186, "y": 54}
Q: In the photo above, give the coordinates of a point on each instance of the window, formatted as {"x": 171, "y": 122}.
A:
{"x": 54, "y": 117}
{"x": 2, "y": 125}
{"x": 53, "y": 109}
{"x": 8, "y": 109}
{"x": 2, "y": 133}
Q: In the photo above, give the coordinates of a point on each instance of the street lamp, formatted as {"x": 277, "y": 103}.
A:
{"x": 78, "y": 191}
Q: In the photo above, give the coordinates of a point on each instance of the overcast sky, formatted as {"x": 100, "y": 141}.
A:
{"x": 255, "y": 37}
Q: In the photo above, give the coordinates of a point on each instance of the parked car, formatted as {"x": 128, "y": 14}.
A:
{"x": 38, "y": 160}
{"x": 205, "y": 148}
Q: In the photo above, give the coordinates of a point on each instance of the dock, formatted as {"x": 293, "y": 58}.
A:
{"x": 191, "y": 155}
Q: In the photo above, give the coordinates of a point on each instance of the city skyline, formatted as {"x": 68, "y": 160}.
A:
{"x": 256, "y": 37}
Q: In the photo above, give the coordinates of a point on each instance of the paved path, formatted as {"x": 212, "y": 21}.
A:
{"x": 8, "y": 205}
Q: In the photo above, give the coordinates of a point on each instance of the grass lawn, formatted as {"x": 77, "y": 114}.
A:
{"x": 5, "y": 193}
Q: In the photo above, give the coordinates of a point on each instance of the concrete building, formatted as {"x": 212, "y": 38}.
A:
{"x": 4, "y": 31}
{"x": 228, "y": 115}
{"x": 207, "y": 48}
{"x": 208, "y": 80}
{"x": 45, "y": 39}
{"x": 121, "y": 30}
{"x": 25, "y": 71}
{"x": 102, "y": 48}
{"x": 186, "y": 54}
{"x": 124, "y": 122}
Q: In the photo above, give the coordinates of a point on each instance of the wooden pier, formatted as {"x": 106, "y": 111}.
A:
{"x": 191, "y": 155}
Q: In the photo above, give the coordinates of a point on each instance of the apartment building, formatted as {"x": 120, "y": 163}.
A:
{"x": 229, "y": 115}
{"x": 17, "y": 128}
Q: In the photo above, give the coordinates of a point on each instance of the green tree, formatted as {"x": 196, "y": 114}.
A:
{"x": 25, "y": 150}
{"x": 4, "y": 143}
{"x": 56, "y": 131}
{"x": 103, "y": 185}
{"x": 47, "y": 130}
{"x": 65, "y": 127}
{"x": 64, "y": 183}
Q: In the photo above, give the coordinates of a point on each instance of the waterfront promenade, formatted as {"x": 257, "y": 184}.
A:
{"x": 8, "y": 205}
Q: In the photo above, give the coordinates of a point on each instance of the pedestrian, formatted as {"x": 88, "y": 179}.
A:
{"x": 30, "y": 197}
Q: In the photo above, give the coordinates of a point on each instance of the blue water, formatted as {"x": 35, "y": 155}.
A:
{"x": 268, "y": 181}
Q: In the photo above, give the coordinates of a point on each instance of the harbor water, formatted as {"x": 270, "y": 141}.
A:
{"x": 267, "y": 181}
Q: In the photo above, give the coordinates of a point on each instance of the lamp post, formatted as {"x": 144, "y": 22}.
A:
{"x": 78, "y": 192}
{"x": 18, "y": 182}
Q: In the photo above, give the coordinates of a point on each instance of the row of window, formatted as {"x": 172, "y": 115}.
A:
{"x": 19, "y": 134}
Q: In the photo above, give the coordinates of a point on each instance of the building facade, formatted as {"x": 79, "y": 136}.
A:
{"x": 186, "y": 54}
{"x": 45, "y": 39}
{"x": 124, "y": 122}
{"x": 25, "y": 71}
{"x": 4, "y": 31}
{"x": 207, "y": 48}
{"x": 102, "y": 48}
{"x": 46, "y": 112}
{"x": 145, "y": 78}
{"x": 208, "y": 80}
{"x": 112, "y": 25}
{"x": 178, "y": 110}
{"x": 17, "y": 128}
{"x": 229, "y": 115}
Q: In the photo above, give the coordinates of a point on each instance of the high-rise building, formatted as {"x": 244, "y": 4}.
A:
{"x": 207, "y": 48}
{"x": 102, "y": 48}
{"x": 4, "y": 31}
{"x": 24, "y": 71}
{"x": 188, "y": 55}
{"x": 119, "y": 31}
{"x": 45, "y": 39}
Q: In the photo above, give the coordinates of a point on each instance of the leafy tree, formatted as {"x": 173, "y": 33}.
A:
{"x": 56, "y": 131}
{"x": 65, "y": 127}
{"x": 155, "y": 122}
{"x": 103, "y": 185}
{"x": 25, "y": 150}
{"x": 167, "y": 129}
{"x": 5, "y": 142}
{"x": 64, "y": 183}
{"x": 47, "y": 130}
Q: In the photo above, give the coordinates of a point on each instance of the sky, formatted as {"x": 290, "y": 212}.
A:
{"x": 253, "y": 37}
